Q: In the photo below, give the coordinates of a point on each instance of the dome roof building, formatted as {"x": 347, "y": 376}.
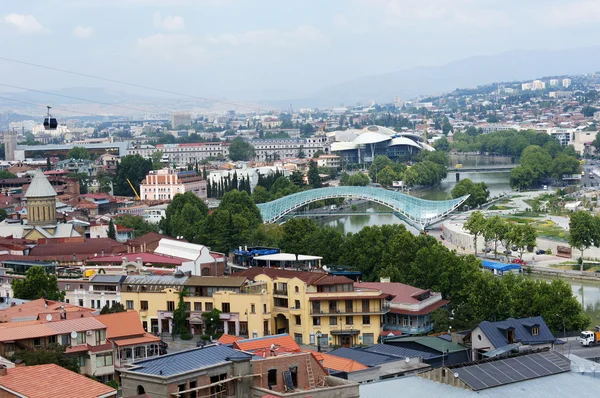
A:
{"x": 41, "y": 201}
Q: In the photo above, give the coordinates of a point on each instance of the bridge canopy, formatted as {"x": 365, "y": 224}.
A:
{"x": 419, "y": 212}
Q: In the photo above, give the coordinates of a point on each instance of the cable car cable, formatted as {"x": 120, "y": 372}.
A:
{"x": 54, "y": 107}
{"x": 127, "y": 83}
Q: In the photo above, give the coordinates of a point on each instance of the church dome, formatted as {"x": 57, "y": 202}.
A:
{"x": 40, "y": 187}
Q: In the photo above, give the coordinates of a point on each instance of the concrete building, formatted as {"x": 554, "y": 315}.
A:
{"x": 181, "y": 119}
{"x": 268, "y": 150}
{"x": 566, "y": 83}
{"x": 554, "y": 82}
{"x": 184, "y": 154}
{"x": 10, "y": 144}
{"x": 166, "y": 183}
{"x": 331, "y": 161}
{"x": 538, "y": 85}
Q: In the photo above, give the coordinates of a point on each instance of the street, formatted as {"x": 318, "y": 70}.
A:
{"x": 573, "y": 347}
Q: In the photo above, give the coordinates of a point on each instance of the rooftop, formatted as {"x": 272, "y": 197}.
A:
{"x": 287, "y": 257}
{"x": 188, "y": 361}
{"x": 496, "y": 331}
{"x": 283, "y": 342}
{"x": 122, "y": 324}
{"x": 33, "y": 309}
{"x": 221, "y": 281}
{"x": 402, "y": 293}
{"x": 40, "y": 187}
{"x": 274, "y": 273}
{"x": 51, "y": 380}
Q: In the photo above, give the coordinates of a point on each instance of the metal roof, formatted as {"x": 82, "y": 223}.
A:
{"x": 40, "y": 187}
{"x": 217, "y": 281}
{"x": 159, "y": 280}
{"x": 100, "y": 278}
{"x": 187, "y": 361}
{"x": 435, "y": 343}
{"x": 361, "y": 356}
{"x": 560, "y": 385}
{"x": 400, "y": 352}
{"x": 496, "y": 331}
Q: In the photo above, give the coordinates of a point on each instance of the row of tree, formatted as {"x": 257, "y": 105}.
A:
{"x": 537, "y": 163}
{"x": 478, "y": 192}
{"x": 227, "y": 184}
{"x": 429, "y": 169}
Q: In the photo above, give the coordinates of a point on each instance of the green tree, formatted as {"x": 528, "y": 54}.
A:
{"x": 240, "y": 150}
{"x": 37, "y": 284}
{"x": 261, "y": 195}
{"x": 138, "y": 224}
{"x": 132, "y": 167}
{"x": 538, "y": 159}
{"x": 48, "y": 164}
{"x": 475, "y": 225}
{"x": 521, "y": 177}
{"x": 83, "y": 179}
{"x": 359, "y": 179}
{"x": 522, "y": 236}
{"x": 478, "y": 192}
{"x": 379, "y": 163}
{"x": 184, "y": 216}
{"x": 318, "y": 153}
{"x": 588, "y": 111}
{"x": 314, "y": 179}
{"x": 112, "y": 231}
{"x": 494, "y": 231}
{"x": 180, "y": 316}
{"x": 583, "y": 231}
{"x": 3, "y": 215}
{"x": 564, "y": 164}
{"x": 212, "y": 322}
{"x": 297, "y": 178}
{"x": 387, "y": 176}
{"x": 442, "y": 144}
{"x": 157, "y": 163}
{"x": 78, "y": 152}
{"x": 5, "y": 175}
{"x": 53, "y": 354}
{"x": 112, "y": 309}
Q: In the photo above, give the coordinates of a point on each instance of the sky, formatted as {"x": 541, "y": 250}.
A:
{"x": 269, "y": 49}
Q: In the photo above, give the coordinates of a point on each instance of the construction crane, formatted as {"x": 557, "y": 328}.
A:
{"x": 137, "y": 197}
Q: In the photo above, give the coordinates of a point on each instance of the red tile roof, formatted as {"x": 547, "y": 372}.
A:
{"x": 150, "y": 237}
{"x": 285, "y": 342}
{"x": 37, "y": 309}
{"x": 333, "y": 280}
{"x": 402, "y": 293}
{"x": 146, "y": 338}
{"x": 229, "y": 339}
{"x": 122, "y": 324}
{"x": 88, "y": 248}
{"x": 340, "y": 364}
{"x": 43, "y": 381}
{"x": 145, "y": 257}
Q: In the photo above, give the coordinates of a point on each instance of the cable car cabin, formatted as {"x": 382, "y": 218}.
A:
{"x": 50, "y": 123}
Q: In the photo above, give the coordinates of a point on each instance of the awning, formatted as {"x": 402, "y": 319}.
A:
{"x": 345, "y": 332}
{"x": 146, "y": 338}
{"x": 197, "y": 320}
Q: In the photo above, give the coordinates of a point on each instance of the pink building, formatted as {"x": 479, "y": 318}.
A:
{"x": 166, "y": 183}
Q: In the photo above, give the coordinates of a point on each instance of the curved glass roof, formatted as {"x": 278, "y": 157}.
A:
{"x": 419, "y": 211}
{"x": 371, "y": 137}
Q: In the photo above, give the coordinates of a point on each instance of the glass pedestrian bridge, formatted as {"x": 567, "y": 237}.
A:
{"x": 419, "y": 212}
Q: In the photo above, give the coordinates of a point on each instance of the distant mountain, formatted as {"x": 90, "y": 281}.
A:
{"x": 62, "y": 94}
{"x": 464, "y": 73}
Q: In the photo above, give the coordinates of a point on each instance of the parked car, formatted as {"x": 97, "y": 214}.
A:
{"x": 540, "y": 251}
{"x": 514, "y": 248}
{"x": 487, "y": 250}
{"x": 519, "y": 261}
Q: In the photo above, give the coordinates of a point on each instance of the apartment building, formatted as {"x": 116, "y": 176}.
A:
{"x": 181, "y": 119}
{"x": 98, "y": 291}
{"x": 273, "y": 149}
{"x": 184, "y": 154}
{"x": 166, "y": 183}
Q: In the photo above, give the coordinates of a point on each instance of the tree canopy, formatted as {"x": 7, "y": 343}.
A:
{"x": 139, "y": 225}
{"x": 478, "y": 192}
{"x": 584, "y": 231}
{"x": 78, "y": 152}
{"x": 132, "y": 167}
{"x": 240, "y": 150}
{"x": 37, "y": 284}
{"x": 52, "y": 354}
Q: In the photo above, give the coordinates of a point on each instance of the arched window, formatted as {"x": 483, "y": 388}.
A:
{"x": 205, "y": 271}
{"x": 140, "y": 390}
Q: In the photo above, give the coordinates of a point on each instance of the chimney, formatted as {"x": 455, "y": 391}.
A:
{"x": 3, "y": 370}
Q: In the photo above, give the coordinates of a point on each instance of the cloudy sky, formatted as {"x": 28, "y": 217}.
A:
{"x": 268, "y": 49}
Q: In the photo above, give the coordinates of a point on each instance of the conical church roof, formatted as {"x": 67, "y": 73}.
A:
{"x": 40, "y": 187}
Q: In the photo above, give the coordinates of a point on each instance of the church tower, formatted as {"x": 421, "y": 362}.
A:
{"x": 41, "y": 201}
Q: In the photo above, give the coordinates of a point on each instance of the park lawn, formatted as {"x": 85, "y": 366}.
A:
{"x": 545, "y": 228}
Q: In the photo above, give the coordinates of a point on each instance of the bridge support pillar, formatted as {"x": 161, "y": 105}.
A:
{"x": 457, "y": 177}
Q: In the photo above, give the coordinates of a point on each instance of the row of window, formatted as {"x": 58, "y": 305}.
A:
{"x": 348, "y": 306}
{"x": 333, "y": 320}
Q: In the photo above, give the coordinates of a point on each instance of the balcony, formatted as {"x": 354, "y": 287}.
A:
{"x": 372, "y": 310}
{"x": 277, "y": 292}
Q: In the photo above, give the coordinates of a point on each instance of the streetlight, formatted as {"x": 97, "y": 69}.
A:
{"x": 319, "y": 335}
{"x": 564, "y": 329}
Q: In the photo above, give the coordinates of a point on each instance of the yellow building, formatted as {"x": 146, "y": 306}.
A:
{"x": 308, "y": 304}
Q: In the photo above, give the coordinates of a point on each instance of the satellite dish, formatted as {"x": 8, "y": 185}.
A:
{"x": 73, "y": 335}
{"x": 49, "y": 317}
{"x": 407, "y": 359}
{"x": 456, "y": 374}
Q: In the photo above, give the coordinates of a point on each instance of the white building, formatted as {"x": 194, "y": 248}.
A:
{"x": 201, "y": 261}
{"x": 181, "y": 119}
{"x": 566, "y": 83}
{"x": 525, "y": 86}
{"x": 332, "y": 161}
{"x": 184, "y": 154}
{"x": 154, "y": 214}
{"x": 554, "y": 82}
{"x": 166, "y": 183}
{"x": 274, "y": 149}
{"x": 252, "y": 174}
{"x": 538, "y": 85}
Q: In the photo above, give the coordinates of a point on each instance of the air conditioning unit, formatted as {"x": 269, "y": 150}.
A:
{"x": 89, "y": 332}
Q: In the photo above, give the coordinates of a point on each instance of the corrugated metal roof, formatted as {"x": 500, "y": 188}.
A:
{"x": 186, "y": 361}
{"x": 40, "y": 187}
{"x": 161, "y": 280}
{"x": 218, "y": 281}
{"x": 435, "y": 343}
{"x": 399, "y": 352}
{"x": 361, "y": 356}
{"x": 560, "y": 385}
{"x": 496, "y": 331}
{"x": 100, "y": 278}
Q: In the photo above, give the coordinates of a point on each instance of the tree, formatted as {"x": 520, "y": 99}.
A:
{"x": 78, "y": 152}
{"x": 379, "y": 163}
{"x": 442, "y": 144}
{"x": 494, "y": 231}
{"x": 387, "y": 176}
{"x": 522, "y": 236}
{"x": 297, "y": 178}
{"x": 3, "y": 215}
{"x": 112, "y": 309}
{"x": 260, "y": 195}
{"x": 132, "y": 167}
{"x": 185, "y": 217}
{"x": 157, "y": 163}
{"x": 588, "y": 111}
{"x": 83, "y": 179}
{"x": 5, "y": 175}
{"x": 179, "y": 318}
{"x": 318, "y": 153}
{"x": 475, "y": 225}
{"x": 521, "y": 177}
{"x": 212, "y": 322}
{"x": 359, "y": 179}
{"x": 112, "y": 231}
{"x": 53, "y": 354}
{"x": 478, "y": 192}
{"x": 314, "y": 179}
{"x": 240, "y": 150}
{"x": 583, "y": 232}
{"x": 37, "y": 284}
{"x": 138, "y": 224}
{"x": 564, "y": 164}
{"x": 48, "y": 164}
{"x": 538, "y": 159}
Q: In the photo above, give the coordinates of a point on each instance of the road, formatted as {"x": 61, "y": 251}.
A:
{"x": 573, "y": 347}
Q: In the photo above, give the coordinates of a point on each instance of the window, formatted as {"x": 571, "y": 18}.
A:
{"x": 193, "y": 384}
{"x": 129, "y": 304}
{"x": 81, "y": 338}
{"x": 535, "y": 331}
{"x": 349, "y": 306}
{"x": 51, "y": 339}
{"x": 272, "y": 377}
{"x": 198, "y": 307}
{"x": 145, "y": 325}
{"x": 81, "y": 302}
{"x": 187, "y": 306}
{"x": 297, "y": 304}
{"x": 92, "y": 303}
{"x": 316, "y": 321}
{"x": 37, "y": 342}
{"x": 81, "y": 286}
{"x": 316, "y": 307}
{"x": 298, "y": 319}
{"x": 226, "y": 307}
{"x": 208, "y": 307}
{"x": 170, "y": 306}
{"x": 100, "y": 336}
{"x": 68, "y": 287}
{"x": 294, "y": 373}
{"x": 144, "y": 305}
{"x": 265, "y": 309}
{"x": 332, "y": 306}
{"x": 66, "y": 339}
{"x": 332, "y": 320}
{"x": 366, "y": 319}
{"x": 296, "y": 289}
{"x": 252, "y": 309}
{"x": 368, "y": 338}
{"x": 97, "y": 303}
{"x": 349, "y": 320}
{"x": 365, "y": 306}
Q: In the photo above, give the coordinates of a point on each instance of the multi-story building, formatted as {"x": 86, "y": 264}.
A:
{"x": 331, "y": 161}
{"x": 181, "y": 119}
{"x": 554, "y": 82}
{"x": 10, "y": 144}
{"x": 566, "y": 83}
{"x": 98, "y": 291}
{"x": 282, "y": 148}
{"x": 166, "y": 183}
{"x": 538, "y": 85}
{"x": 311, "y": 304}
